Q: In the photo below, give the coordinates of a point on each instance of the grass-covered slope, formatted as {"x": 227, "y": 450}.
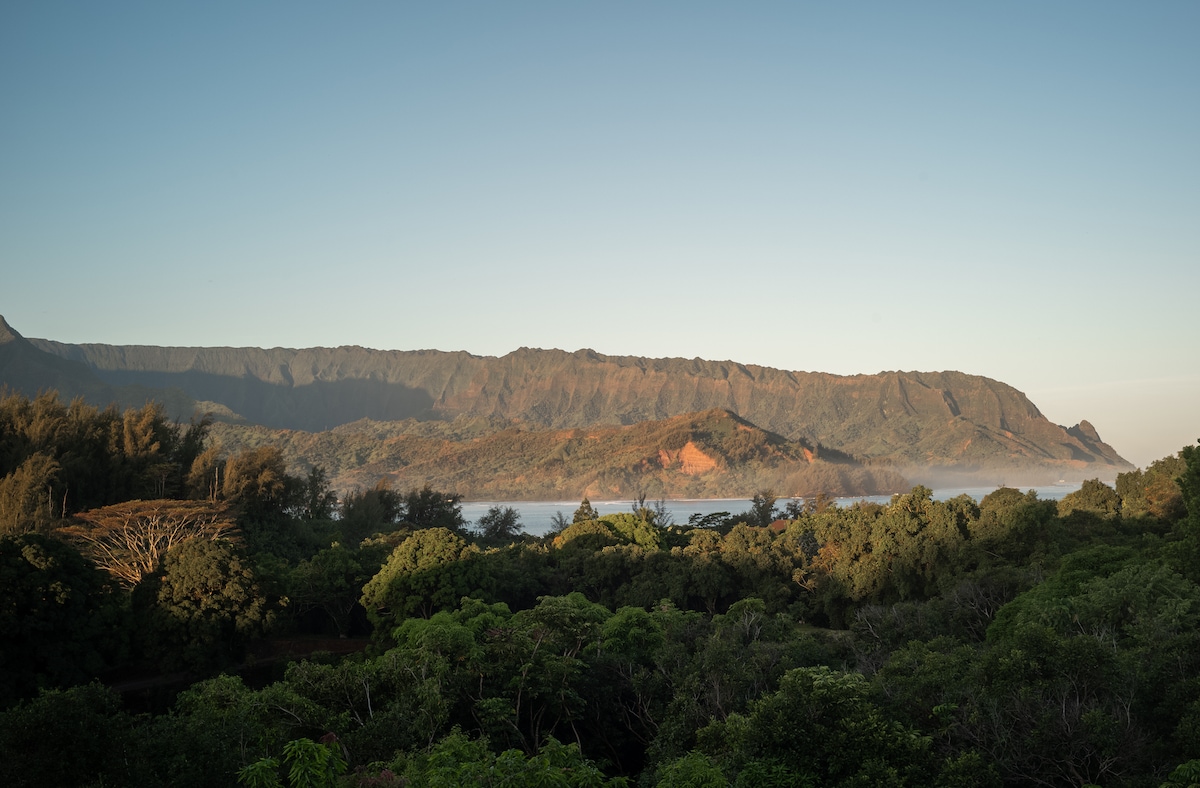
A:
{"x": 709, "y": 454}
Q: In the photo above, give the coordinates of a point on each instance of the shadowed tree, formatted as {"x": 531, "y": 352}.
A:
{"x": 1154, "y": 491}
{"x": 762, "y": 508}
{"x": 58, "y": 622}
{"x": 499, "y": 522}
{"x": 366, "y": 512}
{"x": 1093, "y": 496}
{"x": 316, "y": 501}
{"x": 427, "y": 508}
{"x": 203, "y": 606}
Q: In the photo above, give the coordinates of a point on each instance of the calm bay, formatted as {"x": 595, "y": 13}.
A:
{"x": 537, "y": 517}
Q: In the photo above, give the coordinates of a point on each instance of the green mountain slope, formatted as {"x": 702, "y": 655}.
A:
{"x": 702, "y": 455}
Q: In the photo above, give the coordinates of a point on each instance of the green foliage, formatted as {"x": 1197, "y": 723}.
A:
{"x": 1185, "y": 775}
{"x": 329, "y": 584}
{"x": 710, "y": 672}
{"x": 309, "y": 765}
{"x": 762, "y": 508}
{"x": 430, "y": 570}
{"x": 1095, "y": 497}
{"x": 216, "y": 727}
{"x": 693, "y": 770}
{"x": 428, "y": 508}
{"x": 1189, "y": 527}
{"x": 257, "y": 482}
{"x": 203, "y": 607}
{"x": 315, "y": 499}
{"x": 585, "y": 513}
{"x": 820, "y": 728}
{"x": 58, "y": 459}
{"x": 365, "y": 512}
{"x": 64, "y": 738}
{"x": 457, "y": 760}
{"x": 26, "y": 502}
{"x": 1153, "y": 492}
{"x": 60, "y": 622}
{"x": 635, "y": 530}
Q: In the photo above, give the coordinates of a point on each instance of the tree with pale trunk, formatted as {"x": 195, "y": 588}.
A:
{"x": 129, "y": 540}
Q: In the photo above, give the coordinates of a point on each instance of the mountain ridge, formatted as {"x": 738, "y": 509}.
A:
{"x": 925, "y": 424}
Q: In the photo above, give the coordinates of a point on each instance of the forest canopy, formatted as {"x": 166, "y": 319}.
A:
{"x": 190, "y": 618}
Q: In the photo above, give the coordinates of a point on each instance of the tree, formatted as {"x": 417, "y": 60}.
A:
{"x": 367, "y": 512}
{"x": 457, "y": 760}
{"x": 1093, "y": 496}
{"x": 585, "y": 512}
{"x": 762, "y": 508}
{"x": 205, "y": 476}
{"x": 427, "y": 572}
{"x": 256, "y": 481}
{"x": 558, "y": 524}
{"x": 820, "y": 728}
{"x": 330, "y": 582}
{"x": 59, "y": 624}
{"x": 309, "y": 765}
{"x": 203, "y": 606}
{"x": 1154, "y": 491}
{"x": 130, "y": 540}
{"x": 499, "y": 523}
{"x": 316, "y": 500}
{"x": 1189, "y": 487}
{"x": 27, "y": 495}
{"x": 427, "y": 508}
{"x": 656, "y": 513}
{"x": 77, "y": 736}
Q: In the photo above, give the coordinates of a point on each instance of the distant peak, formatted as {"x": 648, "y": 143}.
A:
{"x": 7, "y": 333}
{"x": 1085, "y": 431}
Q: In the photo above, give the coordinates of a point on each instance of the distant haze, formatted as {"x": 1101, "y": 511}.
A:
{"x": 1006, "y": 189}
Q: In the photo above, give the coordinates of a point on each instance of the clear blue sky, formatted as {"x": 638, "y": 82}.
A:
{"x": 1007, "y": 189}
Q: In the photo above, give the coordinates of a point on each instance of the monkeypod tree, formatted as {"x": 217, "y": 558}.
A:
{"x": 130, "y": 540}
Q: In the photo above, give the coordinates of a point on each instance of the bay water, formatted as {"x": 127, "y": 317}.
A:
{"x": 537, "y": 517}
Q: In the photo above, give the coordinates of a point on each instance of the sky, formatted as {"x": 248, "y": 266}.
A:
{"x": 1005, "y": 189}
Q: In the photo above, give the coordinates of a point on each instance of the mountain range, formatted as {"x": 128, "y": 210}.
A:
{"x": 547, "y": 423}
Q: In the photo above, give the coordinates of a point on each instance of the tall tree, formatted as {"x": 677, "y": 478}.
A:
{"x": 27, "y": 495}
{"x": 499, "y": 522}
{"x": 256, "y": 481}
{"x": 428, "y": 508}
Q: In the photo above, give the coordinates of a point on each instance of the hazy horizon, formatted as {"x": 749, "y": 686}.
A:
{"x": 1008, "y": 191}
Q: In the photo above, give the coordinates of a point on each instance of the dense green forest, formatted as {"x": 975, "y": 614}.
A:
{"x": 1009, "y": 641}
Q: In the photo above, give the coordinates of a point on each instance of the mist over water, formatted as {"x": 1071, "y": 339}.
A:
{"x": 537, "y": 517}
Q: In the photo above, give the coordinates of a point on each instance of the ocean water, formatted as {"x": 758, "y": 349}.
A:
{"x": 537, "y": 516}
